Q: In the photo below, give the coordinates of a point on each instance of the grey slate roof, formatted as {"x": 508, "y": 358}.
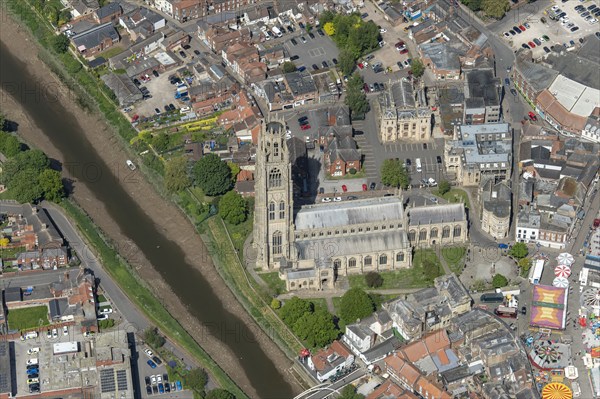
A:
{"x": 349, "y": 213}
{"x": 12, "y": 294}
{"x": 48, "y": 235}
{"x": 93, "y": 37}
{"x": 481, "y": 83}
{"x": 446, "y": 213}
{"x": 125, "y": 90}
{"x": 344, "y": 149}
{"x": 331, "y": 247}
{"x": 108, "y": 10}
{"x": 538, "y": 76}
{"x": 300, "y": 83}
{"x": 442, "y": 55}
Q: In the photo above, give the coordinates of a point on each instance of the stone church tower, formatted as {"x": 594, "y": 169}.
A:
{"x": 273, "y": 209}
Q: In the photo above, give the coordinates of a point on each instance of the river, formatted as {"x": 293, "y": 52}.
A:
{"x": 56, "y": 123}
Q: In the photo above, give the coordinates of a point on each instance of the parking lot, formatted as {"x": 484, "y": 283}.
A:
{"x": 155, "y": 381}
{"x": 53, "y": 371}
{"x": 539, "y": 27}
{"x": 316, "y": 50}
{"x": 162, "y": 92}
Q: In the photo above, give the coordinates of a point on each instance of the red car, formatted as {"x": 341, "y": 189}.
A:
{"x": 135, "y": 118}
{"x": 399, "y": 45}
{"x": 404, "y": 51}
{"x": 366, "y": 88}
{"x": 344, "y": 188}
{"x": 531, "y": 44}
{"x": 532, "y": 116}
{"x": 523, "y": 29}
{"x": 364, "y": 187}
{"x": 360, "y": 65}
{"x": 305, "y": 127}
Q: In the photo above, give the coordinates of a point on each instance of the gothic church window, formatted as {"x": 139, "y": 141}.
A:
{"x": 271, "y": 211}
{"x": 277, "y": 243}
{"x": 274, "y": 178}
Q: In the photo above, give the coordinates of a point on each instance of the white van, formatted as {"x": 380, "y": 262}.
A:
{"x": 32, "y": 362}
{"x": 184, "y": 110}
{"x": 29, "y": 335}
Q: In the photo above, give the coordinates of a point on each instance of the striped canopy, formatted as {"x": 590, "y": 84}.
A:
{"x": 556, "y": 390}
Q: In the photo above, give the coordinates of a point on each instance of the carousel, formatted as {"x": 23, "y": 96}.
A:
{"x": 565, "y": 258}
{"x": 590, "y": 300}
{"x": 556, "y": 390}
{"x": 547, "y": 354}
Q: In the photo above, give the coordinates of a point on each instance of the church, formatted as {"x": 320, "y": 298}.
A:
{"x": 315, "y": 245}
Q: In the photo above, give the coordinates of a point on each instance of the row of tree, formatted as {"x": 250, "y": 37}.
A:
{"x": 215, "y": 177}
{"x": 27, "y": 173}
{"x": 491, "y": 8}
{"x": 353, "y": 37}
{"x": 356, "y": 99}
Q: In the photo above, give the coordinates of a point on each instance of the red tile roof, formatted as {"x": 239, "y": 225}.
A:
{"x": 436, "y": 341}
{"x": 319, "y": 359}
{"x": 390, "y": 389}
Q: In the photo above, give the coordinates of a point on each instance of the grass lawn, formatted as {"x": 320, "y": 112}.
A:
{"x": 9, "y": 253}
{"x": 405, "y": 278}
{"x": 240, "y": 232}
{"x": 24, "y": 318}
{"x": 102, "y": 298}
{"x": 111, "y": 52}
{"x": 276, "y": 284}
{"x": 319, "y": 303}
{"x": 454, "y": 256}
{"x": 455, "y": 195}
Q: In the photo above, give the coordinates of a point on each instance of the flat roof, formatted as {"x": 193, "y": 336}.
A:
{"x": 65, "y": 347}
{"x": 575, "y": 97}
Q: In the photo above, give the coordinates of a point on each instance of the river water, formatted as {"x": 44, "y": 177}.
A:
{"x": 165, "y": 255}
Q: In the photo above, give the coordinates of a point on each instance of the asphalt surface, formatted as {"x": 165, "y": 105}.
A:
{"x": 135, "y": 319}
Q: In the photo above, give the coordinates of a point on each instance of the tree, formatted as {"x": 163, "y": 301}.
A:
{"x": 4, "y": 241}
{"x": 212, "y": 175}
{"x": 326, "y": 17}
{"x": 160, "y": 142}
{"x": 519, "y": 250}
{"x": 356, "y": 304}
{"x": 393, "y": 174}
{"x": 417, "y": 68}
{"x": 349, "y": 392}
{"x": 499, "y": 281}
{"x": 444, "y": 187}
{"x": 356, "y": 99}
{"x": 373, "y": 280}
{"x": 431, "y": 269}
{"x": 153, "y": 338}
{"x": 60, "y": 43}
{"x": 34, "y": 160}
{"x": 317, "y": 329}
{"x": 275, "y": 304}
{"x": 233, "y": 208}
{"x": 52, "y": 185}
{"x": 25, "y": 186}
{"x": 219, "y": 393}
{"x": 347, "y": 62}
{"x": 293, "y": 309}
{"x": 196, "y": 379}
{"x": 176, "y": 174}
{"x": 495, "y": 8}
{"x": 289, "y": 67}
{"x": 63, "y": 17}
{"x": 9, "y": 144}
{"x": 525, "y": 264}
{"x": 329, "y": 28}
{"x": 235, "y": 170}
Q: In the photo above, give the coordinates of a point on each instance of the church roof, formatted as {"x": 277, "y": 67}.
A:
{"x": 331, "y": 247}
{"x": 436, "y": 214}
{"x": 349, "y": 213}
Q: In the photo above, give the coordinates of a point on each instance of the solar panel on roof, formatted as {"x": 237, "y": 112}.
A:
{"x": 122, "y": 380}
{"x": 107, "y": 380}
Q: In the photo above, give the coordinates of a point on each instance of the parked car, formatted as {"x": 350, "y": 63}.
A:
{"x": 372, "y": 186}
{"x": 183, "y": 54}
{"x": 148, "y": 390}
{"x": 158, "y": 362}
{"x": 532, "y": 116}
{"x": 305, "y": 127}
{"x": 365, "y": 15}
{"x": 575, "y": 29}
{"x": 315, "y": 67}
{"x": 294, "y": 42}
{"x": 149, "y": 353}
{"x": 513, "y": 91}
{"x": 439, "y": 159}
{"x": 335, "y": 61}
{"x": 546, "y": 49}
{"x": 531, "y": 44}
{"x": 524, "y": 310}
{"x": 326, "y": 199}
{"x": 303, "y": 39}
{"x": 516, "y": 29}
{"x": 151, "y": 364}
{"x": 364, "y": 187}
{"x": 325, "y": 65}
{"x": 537, "y": 42}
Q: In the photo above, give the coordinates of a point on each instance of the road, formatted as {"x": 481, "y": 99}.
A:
{"x": 327, "y": 390}
{"x": 136, "y": 321}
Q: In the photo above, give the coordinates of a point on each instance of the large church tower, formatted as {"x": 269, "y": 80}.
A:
{"x": 273, "y": 209}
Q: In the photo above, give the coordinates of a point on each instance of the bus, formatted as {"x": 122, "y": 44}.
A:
{"x": 535, "y": 273}
{"x": 418, "y": 163}
{"x": 490, "y": 298}
{"x": 503, "y": 311}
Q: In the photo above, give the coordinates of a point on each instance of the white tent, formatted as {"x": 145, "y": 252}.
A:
{"x": 565, "y": 258}
{"x": 560, "y": 282}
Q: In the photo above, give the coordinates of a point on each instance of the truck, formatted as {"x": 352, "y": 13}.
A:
{"x": 504, "y": 311}
{"x": 276, "y": 31}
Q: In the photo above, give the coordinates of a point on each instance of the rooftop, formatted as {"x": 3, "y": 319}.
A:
{"x": 348, "y": 213}
{"x": 481, "y": 83}
{"x": 446, "y": 213}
